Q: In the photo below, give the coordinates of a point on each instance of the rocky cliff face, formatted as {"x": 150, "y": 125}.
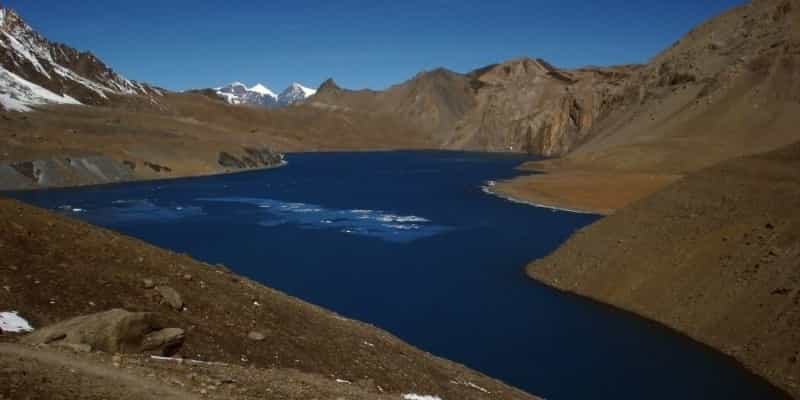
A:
{"x": 521, "y": 105}
{"x": 34, "y": 71}
{"x": 528, "y": 105}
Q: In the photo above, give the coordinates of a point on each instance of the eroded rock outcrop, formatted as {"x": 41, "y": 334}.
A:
{"x": 113, "y": 331}
{"x": 63, "y": 171}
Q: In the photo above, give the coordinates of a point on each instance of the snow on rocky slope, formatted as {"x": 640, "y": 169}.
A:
{"x": 35, "y": 71}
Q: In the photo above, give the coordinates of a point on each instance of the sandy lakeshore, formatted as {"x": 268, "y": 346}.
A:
{"x": 592, "y": 191}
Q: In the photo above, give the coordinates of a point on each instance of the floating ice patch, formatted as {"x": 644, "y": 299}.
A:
{"x": 412, "y": 396}
{"x": 132, "y": 211}
{"x": 373, "y": 223}
{"x": 10, "y": 321}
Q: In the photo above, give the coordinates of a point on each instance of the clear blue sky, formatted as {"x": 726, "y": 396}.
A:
{"x": 180, "y": 44}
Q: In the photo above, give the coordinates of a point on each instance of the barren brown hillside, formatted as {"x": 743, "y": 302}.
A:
{"x": 730, "y": 87}
{"x": 714, "y": 255}
{"x": 181, "y": 135}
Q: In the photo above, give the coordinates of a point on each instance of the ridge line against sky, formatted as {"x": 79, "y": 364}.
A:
{"x": 195, "y": 44}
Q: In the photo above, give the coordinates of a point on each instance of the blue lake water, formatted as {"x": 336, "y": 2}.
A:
{"x": 409, "y": 242}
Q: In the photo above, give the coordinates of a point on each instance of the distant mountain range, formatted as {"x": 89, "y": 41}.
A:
{"x": 260, "y": 95}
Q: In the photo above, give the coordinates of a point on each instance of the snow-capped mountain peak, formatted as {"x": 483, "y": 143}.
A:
{"x": 295, "y": 93}
{"x": 239, "y": 93}
{"x": 259, "y": 88}
{"x": 261, "y": 95}
{"x": 308, "y": 92}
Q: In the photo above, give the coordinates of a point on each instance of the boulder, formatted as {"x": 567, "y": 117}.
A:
{"x": 171, "y": 296}
{"x": 113, "y": 331}
{"x": 163, "y": 341}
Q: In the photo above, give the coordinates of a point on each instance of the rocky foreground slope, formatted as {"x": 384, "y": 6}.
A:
{"x": 714, "y": 255}
{"x": 247, "y": 341}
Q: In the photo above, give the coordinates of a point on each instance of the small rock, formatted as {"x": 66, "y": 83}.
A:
{"x": 256, "y": 336}
{"x": 148, "y": 283}
{"x": 187, "y": 277}
{"x": 163, "y": 341}
{"x": 77, "y": 347}
{"x": 171, "y": 296}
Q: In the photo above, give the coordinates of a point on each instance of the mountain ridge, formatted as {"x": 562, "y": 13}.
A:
{"x": 237, "y": 93}
{"x": 35, "y": 71}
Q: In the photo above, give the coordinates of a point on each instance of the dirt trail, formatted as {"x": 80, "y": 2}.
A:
{"x": 48, "y": 374}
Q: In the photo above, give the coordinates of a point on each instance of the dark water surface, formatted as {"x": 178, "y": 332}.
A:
{"x": 409, "y": 242}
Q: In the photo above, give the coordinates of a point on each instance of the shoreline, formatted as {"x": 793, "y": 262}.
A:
{"x": 629, "y": 312}
{"x": 587, "y": 191}
{"x": 487, "y": 188}
{"x": 282, "y": 164}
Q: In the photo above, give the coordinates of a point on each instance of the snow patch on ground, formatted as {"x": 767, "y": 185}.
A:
{"x": 10, "y": 321}
{"x": 23, "y": 51}
{"x": 18, "y": 94}
{"x": 471, "y": 385}
{"x": 412, "y": 396}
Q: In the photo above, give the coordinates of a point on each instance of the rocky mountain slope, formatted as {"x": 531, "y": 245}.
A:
{"x": 36, "y": 71}
{"x": 521, "y": 105}
{"x": 708, "y": 97}
{"x": 247, "y": 340}
{"x": 259, "y": 95}
{"x": 295, "y": 93}
{"x": 432, "y": 101}
{"x": 728, "y": 88}
{"x": 713, "y": 255}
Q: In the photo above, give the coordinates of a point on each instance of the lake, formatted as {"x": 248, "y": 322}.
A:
{"x": 408, "y": 241}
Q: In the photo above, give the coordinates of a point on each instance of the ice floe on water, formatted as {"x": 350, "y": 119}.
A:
{"x": 139, "y": 210}
{"x": 10, "y": 321}
{"x": 363, "y": 222}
